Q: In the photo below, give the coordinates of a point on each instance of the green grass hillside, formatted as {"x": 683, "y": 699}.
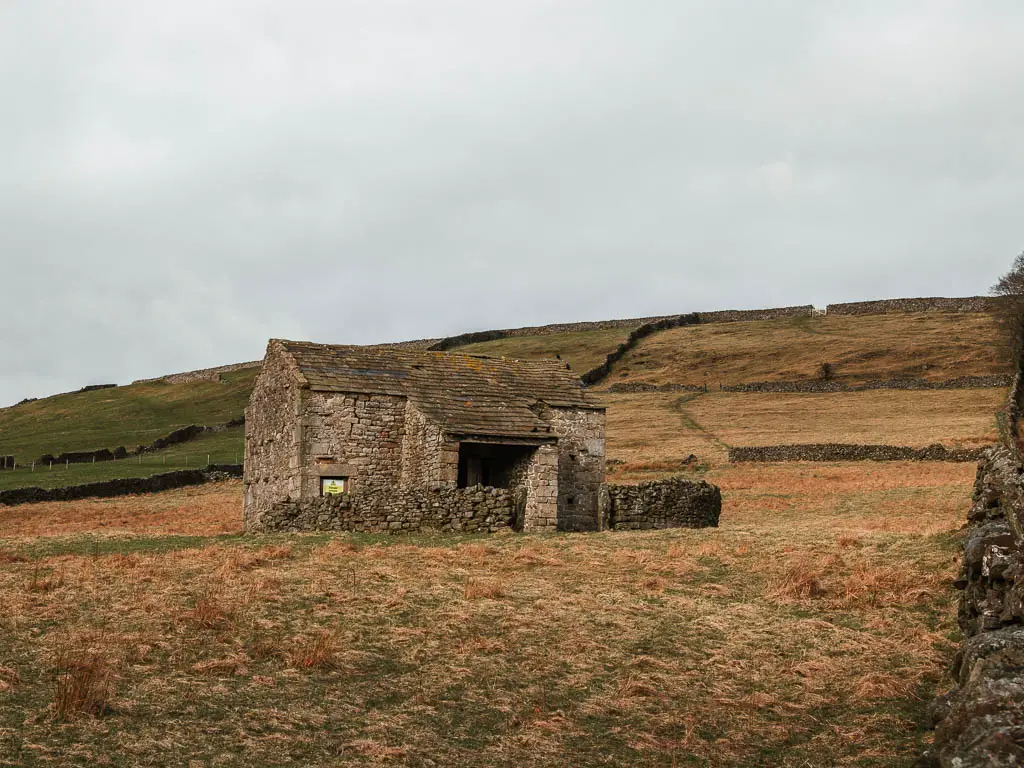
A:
{"x": 130, "y": 416}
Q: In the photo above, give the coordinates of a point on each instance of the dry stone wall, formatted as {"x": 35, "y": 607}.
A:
{"x": 122, "y": 486}
{"x": 851, "y": 452}
{"x": 671, "y": 503}
{"x": 814, "y": 386}
{"x": 931, "y": 304}
{"x": 980, "y": 722}
{"x": 450, "y": 510}
{"x": 203, "y": 374}
{"x": 637, "y": 323}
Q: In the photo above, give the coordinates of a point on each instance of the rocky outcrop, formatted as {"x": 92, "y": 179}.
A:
{"x": 851, "y": 452}
{"x": 980, "y": 722}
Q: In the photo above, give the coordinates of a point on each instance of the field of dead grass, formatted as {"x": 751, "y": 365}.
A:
{"x": 932, "y": 346}
{"x": 811, "y": 629}
{"x": 656, "y": 430}
{"x": 204, "y": 510}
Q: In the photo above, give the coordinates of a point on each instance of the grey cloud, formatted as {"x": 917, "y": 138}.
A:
{"x": 182, "y": 181}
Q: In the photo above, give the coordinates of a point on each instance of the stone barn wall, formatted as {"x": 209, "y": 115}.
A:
{"x": 366, "y": 433}
{"x": 671, "y": 503}
{"x": 271, "y": 437}
{"x": 581, "y": 465}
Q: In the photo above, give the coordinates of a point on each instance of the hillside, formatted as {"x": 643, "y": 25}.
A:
{"x": 582, "y": 350}
{"x": 932, "y": 345}
{"x": 128, "y": 416}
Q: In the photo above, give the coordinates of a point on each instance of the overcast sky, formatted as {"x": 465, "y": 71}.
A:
{"x": 180, "y": 181}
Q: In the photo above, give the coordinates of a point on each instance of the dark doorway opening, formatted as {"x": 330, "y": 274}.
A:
{"x": 493, "y": 465}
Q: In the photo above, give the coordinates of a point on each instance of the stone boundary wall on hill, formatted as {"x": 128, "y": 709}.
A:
{"x": 122, "y": 486}
{"x": 980, "y": 722}
{"x": 635, "y": 387}
{"x": 461, "y": 510}
{"x": 813, "y": 386}
{"x": 178, "y": 436}
{"x": 670, "y": 503}
{"x": 961, "y": 382}
{"x": 203, "y": 374}
{"x": 721, "y": 316}
{"x": 851, "y": 452}
{"x": 930, "y": 304}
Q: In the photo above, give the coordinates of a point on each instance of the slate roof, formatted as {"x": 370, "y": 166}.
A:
{"x": 465, "y": 394}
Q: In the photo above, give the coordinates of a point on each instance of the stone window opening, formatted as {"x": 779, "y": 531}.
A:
{"x": 333, "y": 486}
{"x": 493, "y": 465}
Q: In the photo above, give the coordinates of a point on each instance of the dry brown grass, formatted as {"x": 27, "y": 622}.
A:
{"x": 933, "y": 346}
{"x": 652, "y": 433}
{"x": 205, "y": 510}
{"x": 811, "y": 628}
{"x": 83, "y": 683}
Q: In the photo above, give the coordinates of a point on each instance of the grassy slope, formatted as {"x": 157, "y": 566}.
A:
{"x": 652, "y": 432}
{"x": 128, "y": 416}
{"x": 583, "y": 350}
{"x": 812, "y": 628}
{"x": 949, "y": 345}
{"x": 933, "y": 346}
{"x": 219, "y": 447}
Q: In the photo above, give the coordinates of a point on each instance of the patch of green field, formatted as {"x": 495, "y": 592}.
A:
{"x": 215, "y": 448}
{"x": 132, "y": 415}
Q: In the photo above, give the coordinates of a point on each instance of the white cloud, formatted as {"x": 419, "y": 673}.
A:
{"x": 183, "y": 180}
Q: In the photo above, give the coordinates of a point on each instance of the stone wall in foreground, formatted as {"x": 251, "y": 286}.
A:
{"x": 980, "y": 722}
{"x": 450, "y": 510}
{"x": 851, "y": 452}
{"x": 671, "y": 503}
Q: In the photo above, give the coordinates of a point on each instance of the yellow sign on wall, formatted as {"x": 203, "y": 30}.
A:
{"x": 333, "y": 486}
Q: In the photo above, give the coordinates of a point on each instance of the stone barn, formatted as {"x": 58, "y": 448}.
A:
{"x": 384, "y": 439}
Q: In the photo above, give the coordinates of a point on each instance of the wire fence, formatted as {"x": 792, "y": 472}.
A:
{"x": 67, "y": 472}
